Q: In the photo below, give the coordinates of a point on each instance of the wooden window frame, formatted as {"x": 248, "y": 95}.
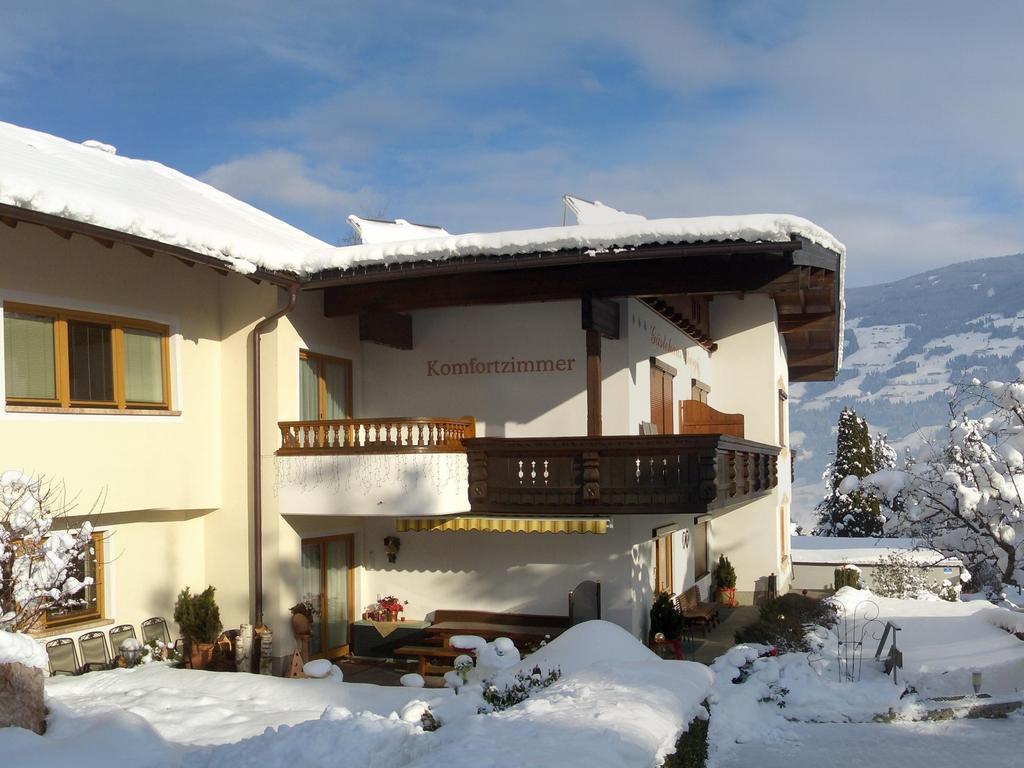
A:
{"x": 697, "y": 576}
{"x": 783, "y": 426}
{"x": 62, "y": 357}
{"x": 784, "y": 542}
{"x": 305, "y": 354}
{"x": 350, "y": 586}
{"x": 85, "y": 617}
{"x": 664, "y": 579}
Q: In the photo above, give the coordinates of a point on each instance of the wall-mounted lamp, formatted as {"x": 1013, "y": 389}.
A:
{"x": 391, "y": 546}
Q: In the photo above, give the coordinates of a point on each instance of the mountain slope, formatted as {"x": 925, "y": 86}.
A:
{"x": 907, "y": 344}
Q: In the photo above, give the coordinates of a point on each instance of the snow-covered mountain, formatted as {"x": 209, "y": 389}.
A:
{"x": 907, "y": 343}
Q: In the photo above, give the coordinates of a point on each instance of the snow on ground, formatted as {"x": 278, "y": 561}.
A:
{"x": 943, "y": 642}
{"x": 952, "y": 744}
{"x": 796, "y": 710}
{"x": 777, "y": 690}
{"x": 617, "y": 704}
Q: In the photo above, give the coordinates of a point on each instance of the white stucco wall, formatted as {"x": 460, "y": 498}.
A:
{"x": 746, "y": 373}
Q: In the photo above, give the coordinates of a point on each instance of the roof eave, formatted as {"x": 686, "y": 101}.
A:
{"x": 11, "y": 215}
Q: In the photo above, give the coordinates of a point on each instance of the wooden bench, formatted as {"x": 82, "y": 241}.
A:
{"x": 695, "y": 612}
{"x": 427, "y": 654}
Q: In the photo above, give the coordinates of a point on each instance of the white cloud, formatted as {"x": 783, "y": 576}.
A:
{"x": 280, "y": 178}
{"x": 896, "y": 125}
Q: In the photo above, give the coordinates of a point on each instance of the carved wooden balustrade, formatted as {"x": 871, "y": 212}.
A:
{"x": 663, "y": 473}
{"x": 376, "y": 435}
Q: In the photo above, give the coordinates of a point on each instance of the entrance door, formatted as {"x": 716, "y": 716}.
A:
{"x": 327, "y": 582}
{"x": 661, "y": 398}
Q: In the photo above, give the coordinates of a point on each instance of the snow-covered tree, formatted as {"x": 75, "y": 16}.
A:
{"x": 37, "y": 563}
{"x": 887, "y": 458}
{"x": 965, "y": 497}
{"x": 847, "y": 510}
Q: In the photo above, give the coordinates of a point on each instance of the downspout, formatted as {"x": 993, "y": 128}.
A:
{"x": 257, "y": 446}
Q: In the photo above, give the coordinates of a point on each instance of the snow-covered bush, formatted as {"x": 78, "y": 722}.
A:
{"x": 37, "y": 563}
{"x": 785, "y": 622}
{"x": 518, "y": 690}
{"x": 899, "y": 575}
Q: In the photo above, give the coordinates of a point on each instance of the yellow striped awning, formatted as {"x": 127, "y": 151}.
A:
{"x": 503, "y": 524}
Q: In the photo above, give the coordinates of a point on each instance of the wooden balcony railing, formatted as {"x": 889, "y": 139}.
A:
{"x": 665, "y": 473}
{"x": 377, "y": 435}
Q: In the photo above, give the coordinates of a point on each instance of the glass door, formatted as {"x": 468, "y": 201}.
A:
{"x": 327, "y": 582}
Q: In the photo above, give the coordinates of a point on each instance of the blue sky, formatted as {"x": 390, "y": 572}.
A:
{"x": 896, "y": 126}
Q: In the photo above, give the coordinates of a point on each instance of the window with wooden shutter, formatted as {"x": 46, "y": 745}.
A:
{"x": 661, "y": 397}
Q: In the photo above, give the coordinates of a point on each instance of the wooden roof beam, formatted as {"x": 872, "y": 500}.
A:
{"x": 803, "y": 358}
{"x": 806, "y": 321}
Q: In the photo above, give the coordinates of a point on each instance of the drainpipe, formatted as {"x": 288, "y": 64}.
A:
{"x": 257, "y": 457}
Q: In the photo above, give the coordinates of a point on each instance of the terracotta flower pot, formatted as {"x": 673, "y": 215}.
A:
{"x": 300, "y": 624}
{"x": 727, "y": 596}
{"x": 200, "y": 655}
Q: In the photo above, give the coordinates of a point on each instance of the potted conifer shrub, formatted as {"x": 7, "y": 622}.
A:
{"x": 666, "y": 619}
{"x": 199, "y": 619}
{"x": 725, "y": 578}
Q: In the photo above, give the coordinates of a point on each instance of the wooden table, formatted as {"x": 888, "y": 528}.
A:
{"x": 488, "y": 631}
{"x": 368, "y": 641}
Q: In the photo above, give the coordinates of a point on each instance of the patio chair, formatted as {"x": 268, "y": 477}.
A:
{"x": 118, "y": 635}
{"x": 63, "y": 659}
{"x": 155, "y": 629}
{"x": 95, "y": 655}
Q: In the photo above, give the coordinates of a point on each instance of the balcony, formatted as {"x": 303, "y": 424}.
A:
{"x": 422, "y": 466}
{"x": 377, "y": 435}
{"x": 689, "y": 474}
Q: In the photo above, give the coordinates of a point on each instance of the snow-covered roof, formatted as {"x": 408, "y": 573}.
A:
{"x": 389, "y": 231}
{"x": 603, "y": 236}
{"x": 828, "y": 550}
{"x": 596, "y": 212}
{"x": 90, "y": 183}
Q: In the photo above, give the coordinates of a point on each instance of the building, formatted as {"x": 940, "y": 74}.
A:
{"x": 464, "y": 421}
{"x": 815, "y": 559}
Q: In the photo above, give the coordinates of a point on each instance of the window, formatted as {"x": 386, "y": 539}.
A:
{"x": 662, "y": 376}
{"x": 663, "y": 563}
{"x": 325, "y": 387}
{"x": 700, "y": 549}
{"x": 91, "y": 566}
{"x": 783, "y": 430}
{"x": 784, "y": 542}
{"x": 68, "y": 359}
